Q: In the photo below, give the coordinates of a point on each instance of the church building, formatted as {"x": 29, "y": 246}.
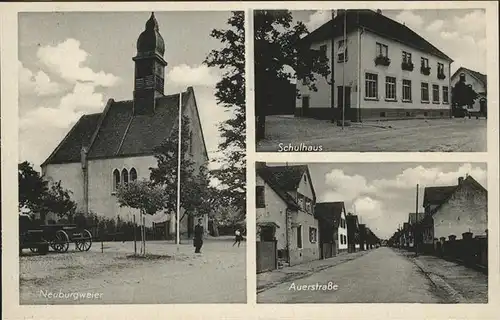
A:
{"x": 104, "y": 150}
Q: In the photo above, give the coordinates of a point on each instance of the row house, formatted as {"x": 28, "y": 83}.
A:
{"x": 285, "y": 202}
{"x": 333, "y": 228}
{"x": 454, "y": 210}
{"x": 381, "y": 70}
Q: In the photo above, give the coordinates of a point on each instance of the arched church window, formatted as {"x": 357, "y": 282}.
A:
{"x": 462, "y": 77}
{"x": 116, "y": 179}
{"x": 124, "y": 176}
{"x": 133, "y": 174}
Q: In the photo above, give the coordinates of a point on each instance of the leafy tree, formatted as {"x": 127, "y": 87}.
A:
{"x": 194, "y": 181}
{"x": 462, "y": 94}
{"x": 39, "y": 196}
{"x": 142, "y": 195}
{"x": 230, "y": 94}
{"x": 278, "y": 47}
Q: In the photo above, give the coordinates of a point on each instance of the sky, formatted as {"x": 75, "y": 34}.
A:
{"x": 459, "y": 33}
{"x": 71, "y": 63}
{"x": 383, "y": 194}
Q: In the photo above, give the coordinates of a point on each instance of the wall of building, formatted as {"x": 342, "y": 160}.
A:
{"x": 320, "y": 104}
{"x": 71, "y": 177}
{"x": 342, "y": 231}
{"x": 398, "y": 108}
{"x": 466, "y": 209}
{"x": 275, "y": 211}
{"x": 310, "y": 250}
{"x": 345, "y": 72}
{"x": 476, "y": 85}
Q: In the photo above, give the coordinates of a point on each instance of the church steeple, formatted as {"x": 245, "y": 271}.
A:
{"x": 149, "y": 68}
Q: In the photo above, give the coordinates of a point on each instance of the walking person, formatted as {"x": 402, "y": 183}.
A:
{"x": 198, "y": 236}
{"x": 238, "y": 237}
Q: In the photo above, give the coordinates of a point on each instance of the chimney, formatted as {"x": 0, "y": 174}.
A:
{"x": 460, "y": 180}
{"x": 379, "y": 11}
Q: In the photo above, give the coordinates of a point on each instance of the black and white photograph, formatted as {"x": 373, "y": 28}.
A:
{"x": 372, "y": 233}
{"x": 121, "y": 199}
{"x": 368, "y": 80}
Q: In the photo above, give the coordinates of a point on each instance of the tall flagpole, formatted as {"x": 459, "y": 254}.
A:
{"x": 343, "y": 70}
{"x": 179, "y": 153}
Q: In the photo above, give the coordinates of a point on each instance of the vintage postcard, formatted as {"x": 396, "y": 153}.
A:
{"x": 250, "y": 160}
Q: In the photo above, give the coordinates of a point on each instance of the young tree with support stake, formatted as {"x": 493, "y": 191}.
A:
{"x": 144, "y": 196}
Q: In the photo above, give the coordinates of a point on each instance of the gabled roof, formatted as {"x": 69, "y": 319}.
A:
{"x": 478, "y": 75}
{"x": 376, "y": 23}
{"x": 288, "y": 178}
{"x": 443, "y": 197}
{"x": 117, "y": 132}
{"x": 270, "y": 179}
{"x": 330, "y": 212}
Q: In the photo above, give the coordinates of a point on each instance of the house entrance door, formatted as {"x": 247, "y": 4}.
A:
{"x": 340, "y": 103}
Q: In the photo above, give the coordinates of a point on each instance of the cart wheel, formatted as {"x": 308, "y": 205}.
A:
{"x": 85, "y": 242}
{"x": 61, "y": 241}
{"x": 34, "y": 249}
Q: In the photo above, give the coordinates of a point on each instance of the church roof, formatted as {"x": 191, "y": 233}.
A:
{"x": 117, "y": 132}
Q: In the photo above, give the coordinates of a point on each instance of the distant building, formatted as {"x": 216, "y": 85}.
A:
{"x": 107, "y": 149}
{"x": 332, "y": 227}
{"x": 478, "y": 81}
{"x": 454, "y": 210}
{"x": 352, "y": 232}
{"x": 386, "y": 70}
{"x": 285, "y": 212}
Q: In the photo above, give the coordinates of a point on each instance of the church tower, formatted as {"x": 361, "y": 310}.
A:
{"x": 149, "y": 68}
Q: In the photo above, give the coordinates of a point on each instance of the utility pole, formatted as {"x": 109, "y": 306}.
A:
{"x": 416, "y": 238}
{"x": 332, "y": 65}
{"x": 343, "y": 68}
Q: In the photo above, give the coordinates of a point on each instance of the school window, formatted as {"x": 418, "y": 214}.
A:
{"x": 435, "y": 93}
{"x": 390, "y": 88}
{"x": 424, "y": 62}
{"x": 260, "y": 196}
{"x": 299, "y": 237}
{"x": 440, "y": 69}
{"x": 371, "y": 86}
{"x": 342, "y": 51}
{"x": 313, "y": 235}
{"x": 424, "y": 89}
{"x": 322, "y": 48}
{"x": 445, "y": 95}
{"x": 382, "y": 50}
{"x": 406, "y": 90}
{"x": 406, "y": 57}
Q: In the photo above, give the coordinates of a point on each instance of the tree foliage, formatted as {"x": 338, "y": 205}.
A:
{"x": 40, "y": 196}
{"x": 142, "y": 195}
{"x": 282, "y": 54}
{"x": 462, "y": 94}
{"x": 230, "y": 94}
{"x": 194, "y": 181}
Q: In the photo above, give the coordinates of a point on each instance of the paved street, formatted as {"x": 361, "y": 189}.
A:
{"x": 380, "y": 276}
{"x": 440, "y": 135}
{"x": 218, "y": 275}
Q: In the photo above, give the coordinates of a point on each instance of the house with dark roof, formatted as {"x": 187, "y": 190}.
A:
{"x": 285, "y": 205}
{"x": 332, "y": 228}
{"x": 352, "y": 232}
{"x": 381, "y": 70}
{"x": 454, "y": 210}
{"x": 413, "y": 219}
{"x": 478, "y": 81}
{"x": 103, "y": 150}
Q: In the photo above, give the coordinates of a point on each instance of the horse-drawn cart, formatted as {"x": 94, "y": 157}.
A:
{"x": 38, "y": 238}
